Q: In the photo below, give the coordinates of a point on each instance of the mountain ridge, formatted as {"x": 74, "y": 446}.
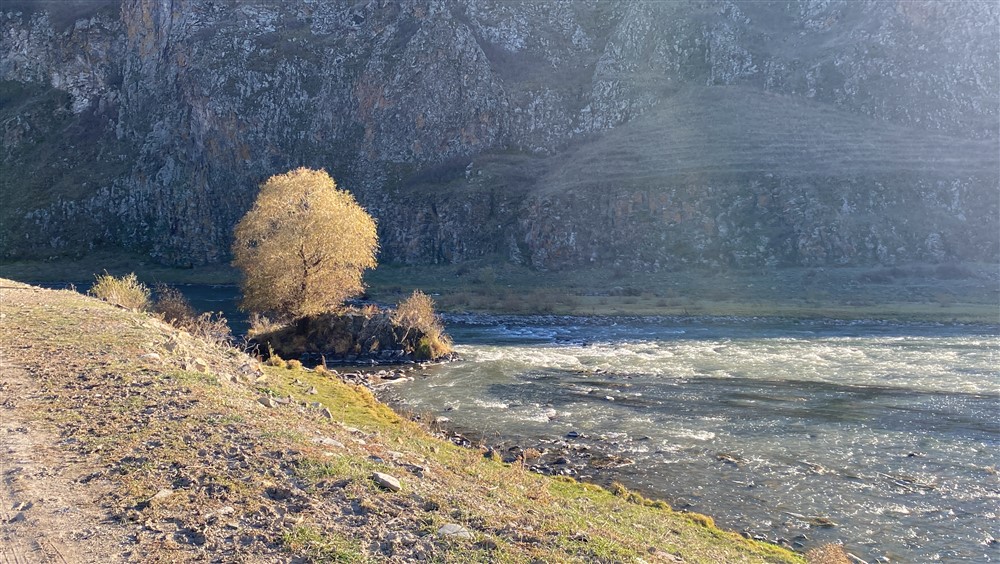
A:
{"x": 148, "y": 124}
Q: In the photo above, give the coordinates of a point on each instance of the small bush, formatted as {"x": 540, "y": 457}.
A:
{"x": 275, "y": 360}
{"x": 172, "y": 306}
{"x": 416, "y": 313}
{"x": 126, "y": 292}
{"x": 211, "y": 327}
{"x": 261, "y": 324}
{"x": 701, "y": 520}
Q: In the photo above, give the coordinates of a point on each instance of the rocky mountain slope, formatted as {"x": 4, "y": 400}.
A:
{"x": 554, "y": 134}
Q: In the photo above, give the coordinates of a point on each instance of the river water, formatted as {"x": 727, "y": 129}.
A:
{"x": 891, "y": 432}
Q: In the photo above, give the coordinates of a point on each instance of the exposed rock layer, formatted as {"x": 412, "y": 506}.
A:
{"x": 556, "y": 134}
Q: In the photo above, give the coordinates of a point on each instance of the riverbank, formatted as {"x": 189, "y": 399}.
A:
{"x": 130, "y": 440}
{"x": 968, "y": 293}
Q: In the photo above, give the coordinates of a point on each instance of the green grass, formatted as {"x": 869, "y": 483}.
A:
{"x": 117, "y": 263}
{"x": 321, "y": 547}
{"x": 906, "y": 293}
{"x": 911, "y": 293}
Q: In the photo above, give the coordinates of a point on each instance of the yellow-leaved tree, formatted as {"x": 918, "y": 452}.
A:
{"x": 304, "y": 246}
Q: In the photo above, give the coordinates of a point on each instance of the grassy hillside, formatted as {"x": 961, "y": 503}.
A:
{"x": 127, "y": 440}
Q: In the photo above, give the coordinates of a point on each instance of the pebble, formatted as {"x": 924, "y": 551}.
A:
{"x": 267, "y": 402}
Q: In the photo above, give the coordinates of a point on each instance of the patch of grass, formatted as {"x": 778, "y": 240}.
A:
{"x": 321, "y": 547}
{"x": 116, "y": 263}
{"x": 835, "y": 293}
{"x": 352, "y": 405}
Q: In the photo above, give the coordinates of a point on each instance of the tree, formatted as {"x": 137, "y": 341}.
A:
{"x": 304, "y": 246}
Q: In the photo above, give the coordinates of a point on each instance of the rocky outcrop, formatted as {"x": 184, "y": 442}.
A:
{"x": 556, "y": 134}
{"x": 352, "y": 337}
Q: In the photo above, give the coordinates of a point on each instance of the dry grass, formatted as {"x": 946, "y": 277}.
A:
{"x": 828, "y": 554}
{"x": 171, "y": 306}
{"x": 126, "y": 292}
{"x": 416, "y": 313}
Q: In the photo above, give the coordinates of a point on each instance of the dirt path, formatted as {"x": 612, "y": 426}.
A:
{"x": 48, "y": 513}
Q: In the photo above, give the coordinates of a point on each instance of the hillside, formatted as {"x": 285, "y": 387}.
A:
{"x": 126, "y": 440}
{"x": 634, "y": 135}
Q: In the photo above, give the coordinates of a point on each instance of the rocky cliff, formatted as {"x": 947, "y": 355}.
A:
{"x": 555, "y": 134}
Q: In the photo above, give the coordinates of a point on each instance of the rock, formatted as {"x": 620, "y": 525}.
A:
{"x": 329, "y": 442}
{"x": 441, "y": 419}
{"x": 162, "y": 494}
{"x": 572, "y": 435}
{"x": 487, "y": 544}
{"x": 268, "y": 402}
{"x": 312, "y": 391}
{"x": 455, "y": 531}
{"x": 386, "y": 481}
{"x": 325, "y": 412}
{"x": 199, "y": 365}
{"x": 151, "y": 356}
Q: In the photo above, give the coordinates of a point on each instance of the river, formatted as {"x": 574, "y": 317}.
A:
{"x": 884, "y": 436}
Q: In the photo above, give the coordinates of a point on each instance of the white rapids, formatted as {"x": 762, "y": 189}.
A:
{"x": 890, "y": 431}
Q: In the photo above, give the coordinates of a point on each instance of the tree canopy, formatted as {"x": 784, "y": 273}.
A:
{"x": 304, "y": 246}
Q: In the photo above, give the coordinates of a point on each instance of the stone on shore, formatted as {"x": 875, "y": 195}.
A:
{"x": 386, "y": 481}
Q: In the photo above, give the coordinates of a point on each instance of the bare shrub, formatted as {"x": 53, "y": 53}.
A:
{"x": 416, "y": 313}
{"x": 126, "y": 292}
{"x": 175, "y": 309}
{"x": 172, "y": 306}
{"x": 261, "y": 324}
{"x": 212, "y": 327}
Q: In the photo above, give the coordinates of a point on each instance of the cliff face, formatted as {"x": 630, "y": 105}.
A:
{"x": 549, "y": 133}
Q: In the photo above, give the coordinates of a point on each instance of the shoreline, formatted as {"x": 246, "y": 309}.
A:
{"x": 964, "y": 293}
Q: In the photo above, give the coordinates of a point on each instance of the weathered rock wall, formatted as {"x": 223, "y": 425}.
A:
{"x": 149, "y": 123}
